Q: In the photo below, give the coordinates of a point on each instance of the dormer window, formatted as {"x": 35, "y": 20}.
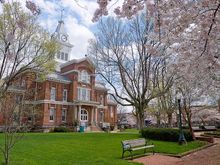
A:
{"x": 84, "y": 77}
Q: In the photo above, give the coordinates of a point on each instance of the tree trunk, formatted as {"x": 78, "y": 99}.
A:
{"x": 140, "y": 121}
{"x": 6, "y": 157}
{"x": 219, "y": 105}
{"x": 6, "y": 149}
{"x": 191, "y": 130}
{"x": 158, "y": 120}
{"x": 169, "y": 116}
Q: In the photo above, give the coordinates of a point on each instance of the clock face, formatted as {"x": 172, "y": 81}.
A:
{"x": 64, "y": 38}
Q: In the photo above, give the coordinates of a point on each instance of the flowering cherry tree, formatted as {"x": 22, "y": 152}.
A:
{"x": 194, "y": 25}
{"x": 191, "y": 29}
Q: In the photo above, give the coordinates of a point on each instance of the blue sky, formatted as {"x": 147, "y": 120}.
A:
{"x": 77, "y": 17}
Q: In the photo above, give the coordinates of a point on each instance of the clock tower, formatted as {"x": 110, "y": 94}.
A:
{"x": 61, "y": 36}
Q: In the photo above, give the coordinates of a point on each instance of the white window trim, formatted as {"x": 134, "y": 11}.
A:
{"x": 65, "y": 99}
{"x": 79, "y": 94}
{"x": 54, "y": 94}
{"x": 86, "y": 75}
{"x": 54, "y": 115}
{"x": 62, "y": 114}
{"x": 87, "y": 115}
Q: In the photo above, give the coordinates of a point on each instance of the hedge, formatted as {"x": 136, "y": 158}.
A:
{"x": 165, "y": 134}
{"x": 61, "y": 129}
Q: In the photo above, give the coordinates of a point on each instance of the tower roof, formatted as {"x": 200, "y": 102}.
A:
{"x": 60, "y": 28}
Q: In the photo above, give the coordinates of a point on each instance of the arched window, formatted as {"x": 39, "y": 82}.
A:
{"x": 84, "y": 76}
{"x": 84, "y": 115}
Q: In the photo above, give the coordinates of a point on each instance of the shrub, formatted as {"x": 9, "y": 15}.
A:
{"x": 165, "y": 134}
{"x": 61, "y": 129}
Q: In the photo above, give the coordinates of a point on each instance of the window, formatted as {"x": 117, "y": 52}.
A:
{"x": 52, "y": 114}
{"x": 111, "y": 112}
{"x": 84, "y": 115}
{"x": 66, "y": 56}
{"x": 62, "y": 55}
{"x": 23, "y": 83}
{"x": 53, "y": 93}
{"x": 84, "y": 94}
{"x": 84, "y": 77}
{"x": 101, "y": 100}
{"x": 18, "y": 99}
{"x": 64, "y": 112}
{"x": 58, "y": 55}
{"x": 65, "y": 95}
{"x": 101, "y": 116}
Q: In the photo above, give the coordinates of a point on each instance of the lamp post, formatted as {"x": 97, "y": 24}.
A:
{"x": 182, "y": 138}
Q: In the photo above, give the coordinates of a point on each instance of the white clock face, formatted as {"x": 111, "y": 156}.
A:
{"x": 64, "y": 38}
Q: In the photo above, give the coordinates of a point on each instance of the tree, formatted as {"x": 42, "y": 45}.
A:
{"x": 166, "y": 103}
{"x": 192, "y": 26}
{"x": 129, "y": 60}
{"x": 24, "y": 47}
{"x": 11, "y": 108}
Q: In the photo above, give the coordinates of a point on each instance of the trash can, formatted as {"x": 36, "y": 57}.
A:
{"x": 81, "y": 128}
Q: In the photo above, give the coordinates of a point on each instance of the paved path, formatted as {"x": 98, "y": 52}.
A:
{"x": 208, "y": 156}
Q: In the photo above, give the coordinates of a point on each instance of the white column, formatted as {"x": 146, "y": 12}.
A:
{"x": 75, "y": 112}
{"x": 79, "y": 111}
{"x": 92, "y": 117}
{"x": 96, "y": 115}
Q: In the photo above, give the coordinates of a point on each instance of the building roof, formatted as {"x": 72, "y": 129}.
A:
{"x": 75, "y": 61}
{"x": 60, "y": 27}
{"x": 100, "y": 86}
{"x": 57, "y": 77}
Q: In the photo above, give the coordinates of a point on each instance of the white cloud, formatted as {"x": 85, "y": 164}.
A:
{"x": 77, "y": 17}
{"x": 79, "y": 36}
{"x": 77, "y": 21}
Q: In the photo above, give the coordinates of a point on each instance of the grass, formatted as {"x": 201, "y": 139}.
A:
{"x": 81, "y": 149}
{"x": 131, "y": 130}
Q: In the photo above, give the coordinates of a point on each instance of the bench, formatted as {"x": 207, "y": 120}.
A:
{"x": 135, "y": 144}
{"x": 210, "y": 128}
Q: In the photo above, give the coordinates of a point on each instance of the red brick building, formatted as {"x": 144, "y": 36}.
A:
{"x": 71, "y": 94}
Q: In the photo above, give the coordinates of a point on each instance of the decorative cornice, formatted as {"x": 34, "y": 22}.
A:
{"x": 55, "y": 80}
{"x": 70, "y": 71}
{"x": 75, "y": 102}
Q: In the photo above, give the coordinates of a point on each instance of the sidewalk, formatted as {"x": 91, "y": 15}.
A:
{"x": 208, "y": 156}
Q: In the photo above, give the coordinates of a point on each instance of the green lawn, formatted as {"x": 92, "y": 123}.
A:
{"x": 80, "y": 149}
{"x": 131, "y": 130}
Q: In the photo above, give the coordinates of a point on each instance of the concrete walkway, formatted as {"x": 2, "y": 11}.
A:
{"x": 208, "y": 156}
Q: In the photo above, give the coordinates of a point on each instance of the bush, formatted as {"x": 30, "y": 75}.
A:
{"x": 165, "y": 134}
{"x": 61, "y": 129}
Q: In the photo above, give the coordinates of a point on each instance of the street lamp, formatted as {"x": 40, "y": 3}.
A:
{"x": 182, "y": 138}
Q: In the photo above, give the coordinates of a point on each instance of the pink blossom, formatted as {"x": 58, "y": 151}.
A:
{"x": 33, "y": 7}
{"x": 9, "y": 37}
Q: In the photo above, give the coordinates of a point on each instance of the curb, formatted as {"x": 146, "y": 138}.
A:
{"x": 189, "y": 152}
{"x": 214, "y": 136}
